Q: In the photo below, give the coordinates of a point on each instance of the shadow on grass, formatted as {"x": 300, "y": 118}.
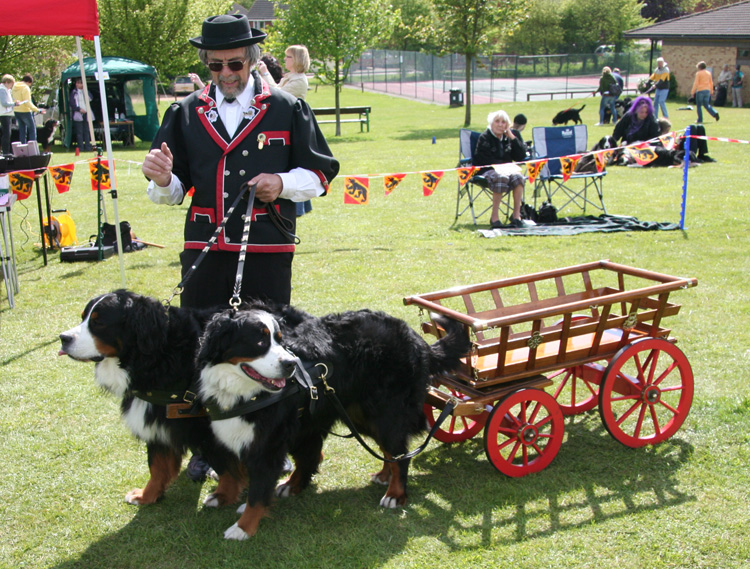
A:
{"x": 457, "y": 498}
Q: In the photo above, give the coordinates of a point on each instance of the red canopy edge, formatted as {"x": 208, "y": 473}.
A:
{"x": 52, "y": 18}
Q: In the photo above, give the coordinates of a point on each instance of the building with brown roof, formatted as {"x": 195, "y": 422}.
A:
{"x": 717, "y": 36}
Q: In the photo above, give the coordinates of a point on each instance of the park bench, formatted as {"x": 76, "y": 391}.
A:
{"x": 363, "y": 114}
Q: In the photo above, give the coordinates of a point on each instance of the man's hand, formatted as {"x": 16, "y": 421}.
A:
{"x": 157, "y": 165}
{"x": 268, "y": 188}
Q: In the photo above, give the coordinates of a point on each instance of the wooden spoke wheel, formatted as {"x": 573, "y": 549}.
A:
{"x": 455, "y": 428}
{"x": 646, "y": 392}
{"x": 576, "y": 392}
{"x": 524, "y": 432}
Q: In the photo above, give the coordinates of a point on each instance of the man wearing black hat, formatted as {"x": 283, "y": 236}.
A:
{"x": 236, "y": 132}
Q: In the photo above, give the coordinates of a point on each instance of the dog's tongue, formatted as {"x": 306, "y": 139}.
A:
{"x": 278, "y": 383}
{"x": 61, "y": 353}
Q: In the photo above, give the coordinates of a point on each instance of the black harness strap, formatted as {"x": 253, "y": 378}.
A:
{"x": 447, "y": 410}
{"x": 303, "y": 380}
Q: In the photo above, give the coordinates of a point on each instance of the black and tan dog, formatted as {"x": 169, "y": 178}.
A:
{"x": 564, "y": 117}
{"x": 145, "y": 356}
{"x": 378, "y": 366}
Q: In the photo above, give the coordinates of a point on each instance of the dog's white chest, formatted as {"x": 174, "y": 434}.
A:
{"x": 135, "y": 419}
{"x": 110, "y": 376}
{"x": 235, "y": 433}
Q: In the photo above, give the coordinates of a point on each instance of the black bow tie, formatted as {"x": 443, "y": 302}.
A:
{"x": 230, "y": 99}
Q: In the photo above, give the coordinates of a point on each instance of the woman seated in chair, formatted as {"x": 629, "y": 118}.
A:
{"x": 500, "y": 144}
{"x": 638, "y": 123}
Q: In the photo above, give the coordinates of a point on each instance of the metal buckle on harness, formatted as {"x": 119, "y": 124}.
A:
{"x": 189, "y": 397}
{"x": 313, "y": 393}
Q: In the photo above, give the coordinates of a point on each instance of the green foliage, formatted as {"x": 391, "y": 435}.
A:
{"x": 469, "y": 27}
{"x": 156, "y": 31}
{"x": 415, "y": 29}
{"x": 42, "y": 56}
{"x": 336, "y": 32}
{"x": 526, "y": 40}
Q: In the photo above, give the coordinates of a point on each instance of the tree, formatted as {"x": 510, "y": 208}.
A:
{"x": 542, "y": 15}
{"x": 468, "y": 27}
{"x": 336, "y": 33}
{"x": 414, "y": 30}
{"x": 51, "y": 54}
{"x": 156, "y": 31}
{"x": 661, "y": 10}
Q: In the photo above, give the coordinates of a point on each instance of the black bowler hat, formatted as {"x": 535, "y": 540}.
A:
{"x": 227, "y": 32}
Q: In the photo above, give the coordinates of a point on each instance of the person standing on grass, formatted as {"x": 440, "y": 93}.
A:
{"x": 7, "y": 105}
{"x": 703, "y": 86}
{"x": 608, "y": 100}
{"x": 738, "y": 79}
{"x": 660, "y": 77}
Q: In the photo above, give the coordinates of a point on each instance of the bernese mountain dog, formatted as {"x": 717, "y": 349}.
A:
{"x": 145, "y": 355}
{"x": 376, "y": 365}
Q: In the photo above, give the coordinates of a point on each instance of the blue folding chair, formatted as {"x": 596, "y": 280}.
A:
{"x": 553, "y": 142}
{"x": 475, "y": 196}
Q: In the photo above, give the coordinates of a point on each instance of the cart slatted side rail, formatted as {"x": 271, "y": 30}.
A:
{"x": 589, "y": 325}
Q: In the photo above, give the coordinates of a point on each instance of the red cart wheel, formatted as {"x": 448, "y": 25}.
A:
{"x": 455, "y": 428}
{"x": 576, "y": 393}
{"x": 524, "y": 432}
{"x": 646, "y": 392}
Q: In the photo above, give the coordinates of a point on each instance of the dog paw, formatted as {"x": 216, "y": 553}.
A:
{"x": 389, "y": 502}
{"x": 284, "y": 490}
{"x": 134, "y": 497}
{"x": 242, "y": 507}
{"x": 235, "y": 532}
{"x": 380, "y": 478}
{"x": 211, "y": 501}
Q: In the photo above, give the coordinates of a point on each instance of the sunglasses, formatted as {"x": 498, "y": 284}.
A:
{"x": 234, "y": 65}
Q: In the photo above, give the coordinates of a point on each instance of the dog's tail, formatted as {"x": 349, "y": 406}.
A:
{"x": 448, "y": 350}
{"x": 582, "y": 107}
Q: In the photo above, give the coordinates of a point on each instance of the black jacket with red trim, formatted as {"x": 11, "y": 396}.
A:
{"x": 278, "y": 133}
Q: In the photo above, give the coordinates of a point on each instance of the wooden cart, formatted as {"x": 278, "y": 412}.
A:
{"x": 591, "y": 333}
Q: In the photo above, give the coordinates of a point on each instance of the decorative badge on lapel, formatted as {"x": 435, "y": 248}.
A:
{"x": 250, "y": 113}
{"x": 212, "y": 115}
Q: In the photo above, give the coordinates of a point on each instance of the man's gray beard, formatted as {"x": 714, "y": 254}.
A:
{"x": 231, "y": 95}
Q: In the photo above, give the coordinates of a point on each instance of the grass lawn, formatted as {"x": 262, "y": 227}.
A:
{"x": 684, "y": 503}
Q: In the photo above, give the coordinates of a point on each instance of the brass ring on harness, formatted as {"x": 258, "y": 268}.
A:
{"x": 324, "y": 375}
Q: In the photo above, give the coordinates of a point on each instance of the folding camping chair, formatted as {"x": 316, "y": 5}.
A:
{"x": 476, "y": 189}
{"x": 556, "y": 141}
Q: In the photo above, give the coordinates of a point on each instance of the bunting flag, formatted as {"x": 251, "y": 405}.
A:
{"x": 533, "y": 169}
{"x": 602, "y": 158}
{"x": 21, "y": 183}
{"x": 668, "y": 141}
{"x": 465, "y": 174}
{"x": 62, "y": 175}
{"x": 642, "y": 156}
{"x": 430, "y": 180}
{"x": 568, "y": 164}
{"x": 391, "y": 181}
{"x": 105, "y": 184}
{"x": 357, "y": 190}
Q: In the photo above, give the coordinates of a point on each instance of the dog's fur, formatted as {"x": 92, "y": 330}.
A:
{"x": 380, "y": 371}
{"x": 45, "y": 135}
{"x": 564, "y": 117}
{"x": 139, "y": 344}
{"x": 587, "y": 164}
{"x": 622, "y": 106}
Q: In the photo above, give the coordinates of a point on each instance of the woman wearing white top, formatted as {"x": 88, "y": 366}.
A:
{"x": 7, "y": 106}
{"x": 294, "y": 82}
{"x": 297, "y": 62}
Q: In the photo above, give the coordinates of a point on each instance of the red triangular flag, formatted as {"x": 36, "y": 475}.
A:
{"x": 357, "y": 190}
{"x": 465, "y": 174}
{"x": 21, "y": 183}
{"x": 533, "y": 169}
{"x": 391, "y": 181}
{"x": 430, "y": 180}
{"x": 104, "y": 169}
{"x": 62, "y": 175}
{"x": 568, "y": 164}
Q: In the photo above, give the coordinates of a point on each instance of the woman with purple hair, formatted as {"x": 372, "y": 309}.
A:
{"x": 638, "y": 123}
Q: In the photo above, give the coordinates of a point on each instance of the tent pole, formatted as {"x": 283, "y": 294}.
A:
{"x": 89, "y": 116}
{"x": 110, "y": 157}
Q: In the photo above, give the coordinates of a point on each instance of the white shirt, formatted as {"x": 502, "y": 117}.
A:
{"x": 298, "y": 185}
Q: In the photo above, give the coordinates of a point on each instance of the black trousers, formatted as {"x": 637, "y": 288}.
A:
{"x": 267, "y": 276}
